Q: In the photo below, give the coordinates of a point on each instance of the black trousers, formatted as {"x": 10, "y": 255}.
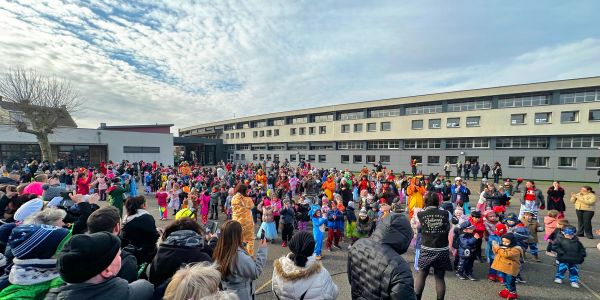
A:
{"x": 287, "y": 232}
{"x": 447, "y": 174}
{"x": 214, "y": 211}
{"x": 584, "y": 222}
{"x": 276, "y": 219}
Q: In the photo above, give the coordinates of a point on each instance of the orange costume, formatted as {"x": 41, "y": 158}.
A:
{"x": 184, "y": 169}
{"x": 415, "y": 196}
{"x": 261, "y": 177}
{"x": 329, "y": 187}
{"x": 241, "y": 207}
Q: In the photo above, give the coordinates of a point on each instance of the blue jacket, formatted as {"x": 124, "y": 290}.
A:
{"x": 466, "y": 246}
{"x": 462, "y": 191}
{"x": 338, "y": 222}
{"x": 488, "y": 250}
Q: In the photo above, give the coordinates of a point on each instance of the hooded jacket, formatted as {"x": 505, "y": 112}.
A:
{"x": 569, "y": 251}
{"x": 376, "y": 269}
{"x": 310, "y": 282}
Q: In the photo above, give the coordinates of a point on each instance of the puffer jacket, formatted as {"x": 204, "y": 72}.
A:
{"x": 310, "y": 282}
{"x": 507, "y": 259}
{"x": 466, "y": 245}
{"x": 569, "y": 251}
{"x": 584, "y": 202}
{"x": 376, "y": 269}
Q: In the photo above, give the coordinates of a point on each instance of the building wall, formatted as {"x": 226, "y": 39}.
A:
{"x": 115, "y": 141}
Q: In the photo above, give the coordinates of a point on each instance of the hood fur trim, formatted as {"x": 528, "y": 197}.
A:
{"x": 296, "y": 272}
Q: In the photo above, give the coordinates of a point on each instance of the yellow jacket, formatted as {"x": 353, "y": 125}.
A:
{"x": 507, "y": 260}
{"x": 584, "y": 202}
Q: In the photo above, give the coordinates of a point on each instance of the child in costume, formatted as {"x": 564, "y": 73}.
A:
{"x": 161, "y": 200}
{"x": 335, "y": 221}
{"x": 287, "y": 217}
{"x": 507, "y": 262}
{"x": 494, "y": 237}
{"x": 318, "y": 225}
{"x": 479, "y": 232}
{"x": 570, "y": 253}
{"x": 521, "y": 234}
{"x": 302, "y": 214}
{"x": 533, "y": 227}
{"x": 268, "y": 222}
{"x": 350, "y": 227}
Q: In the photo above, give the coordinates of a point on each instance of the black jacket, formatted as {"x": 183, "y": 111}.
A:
{"x": 139, "y": 236}
{"x": 129, "y": 267}
{"x": 376, "y": 269}
{"x": 569, "y": 251}
{"x": 435, "y": 226}
{"x": 180, "y": 248}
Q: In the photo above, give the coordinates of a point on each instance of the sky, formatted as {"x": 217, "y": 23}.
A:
{"x": 192, "y": 62}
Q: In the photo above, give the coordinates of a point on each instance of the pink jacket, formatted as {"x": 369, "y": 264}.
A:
{"x": 550, "y": 224}
{"x": 34, "y": 188}
{"x": 205, "y": 202}
{"x": 276, "y": 207}
{"x": 161, "y": 198}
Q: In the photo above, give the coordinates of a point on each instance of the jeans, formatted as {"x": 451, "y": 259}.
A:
{"x": 467, "y": 175}
{"x": 562, "y": 268}
{"x": 465, "y": 265}
{"x": 533, "y": 248}
{"x": 417, "y": 254}
{"x": 475, "y": 176}
{"x": 510, "y": 282}
{"x": 584, "y": 222}
{"x": 496, "y": 178}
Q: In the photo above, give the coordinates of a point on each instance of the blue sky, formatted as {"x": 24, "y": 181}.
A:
{"x": 190, "y": 62}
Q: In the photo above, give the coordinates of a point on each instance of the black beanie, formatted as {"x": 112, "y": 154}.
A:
{"x": 302, "y": 246}
{"x": 87, "y": 255}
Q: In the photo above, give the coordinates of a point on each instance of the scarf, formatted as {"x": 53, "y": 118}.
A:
{"x": 32, "y": 271}
{"x": 140, "y": 212}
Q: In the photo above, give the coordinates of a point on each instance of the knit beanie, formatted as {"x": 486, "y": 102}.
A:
{"x": 302, "y": 246}
{"x": 87, "y": 255}
{"x": 36, "y": 241}
{"x": 28, "y": 208}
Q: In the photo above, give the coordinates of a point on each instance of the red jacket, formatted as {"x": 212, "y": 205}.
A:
{"x": 83, "y": 184}
{"x": 479, "y": 226}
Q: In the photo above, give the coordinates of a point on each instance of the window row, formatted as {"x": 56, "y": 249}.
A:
{"x": 522, "y": 143}
{"x": 370, "y": 159}
{"x": 240, "y": 135}
{"x": 580, "y": 97}
{"x": 524, "y": 101}
{"x": 468, "y": 106}
{"x": 450, "y": 123}
{"x": 546, "y": 117}
{"x": 544, "y": 162}
{"x": 371, "y": 127}
{"x": 569, "y": 142}
{"x": 311, "y": 130}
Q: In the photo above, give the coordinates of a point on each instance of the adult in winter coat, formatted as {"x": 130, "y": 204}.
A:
{"x": 139, "y": 230}
{"x": 376, "y": 269}
{"x": 533, "y": 199}
{"x": 584, "y": 202}
{"x": 241, "y": 207}
{"x": 556, "y": 198}
{"x": 299, "y": 275}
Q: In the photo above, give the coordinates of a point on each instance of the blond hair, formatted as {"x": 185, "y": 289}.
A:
{"x": 197, "y": 281}
{"x": 553, "y": 213}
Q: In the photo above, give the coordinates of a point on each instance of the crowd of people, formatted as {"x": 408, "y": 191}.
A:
{"x": 86, "y": 232}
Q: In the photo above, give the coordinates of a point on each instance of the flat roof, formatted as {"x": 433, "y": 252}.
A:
{"x": 452, "y": 95}
{"x": 104, "y": 126}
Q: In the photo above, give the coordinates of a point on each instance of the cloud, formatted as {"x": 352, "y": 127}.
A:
{"x": 188, "y": 62}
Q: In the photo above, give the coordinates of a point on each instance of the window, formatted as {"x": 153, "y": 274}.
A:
{"x": 370, "y": 159}
{"x": 357, "y": 159}
{"x": 595, "y": 115}
{"x": 323, "y": 118}
{"x": 254, "y": 133}
{"x": 517, "y": 119}
{"x": 452, "y": 159}
{"x": 371, "y": 127}
{"x": 276, "y": 157}
{"x": 345, "y": 159}
{"x": 422, "y": 144}
{"x": 433, "y": 160}
{"x": 523, "y": 101}
{"x": 417, "y": 124}
{"x": 540, "y": 161}
{"x": 134, "y": 149}
{"x": 567, "y": 142}
{"x": 375, "y": 145}
{"x": 352, "y": 115}
{"x": 358, "y": 127}
{"x": 302, "y": 131}
{"x": 322, "y": 158}
{"x": 243, "y": 135}
{"x": 269, "y": 157}
{"x": 276, "y": 147}
{"x": 261, "y": 157}
{"x": 592, "y": 162}
{"x": 350, "y": 145}
{"x": 515, "y": 161}
{"x": 329, "y": 146}
{"x": 243, "y": 147}
{"x": 467, "y": 143}
{"x": 311, "y": 157}
{"x": 254, "y": 156}
{"x": 472, "y": 158}
{"x": 299, "y": 120}
{"x": 322, "y": 129}
{"x": 542, "y": 118}
{"x": 424, "y": 109}
{"x": 579, "y": 97}
{"x": 243, "y": 156}
{"x": 384, "y": 159}
{"x": 237, "y": 135}
{"x": 258, "y": 147}
{"x": 259, "y": 124}
{"x": 262, "y": 133}
{"x": 522, "y": 143}
{"x": 569, "y": 116}
{"x": 453, "y": 122}
{"x": 567, "y": 162}
{"x": 382, "y": 113}
{"x": 418, "y": 158}
{"x": 292, "y": 157}
{"x": 237, "y": 156}
{"x": 473, "y": 121}
{"x": 278, "y": 122}
{"x": 434, "y": 123}
{"x": 386, "y": 126}
{"x": 292, "y": 131}
{"x": 312, "y": 130}
{"x": 471, "y": 105}
{"x": 297, "y": 147}
{"x": 345, "y": 128}
{"x": 302, "y": 157}
{"x": 276, "y": 132}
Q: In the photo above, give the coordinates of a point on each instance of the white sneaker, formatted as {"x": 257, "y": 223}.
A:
{"x": 558, "y": 280}
{"x": 575, "y": 285}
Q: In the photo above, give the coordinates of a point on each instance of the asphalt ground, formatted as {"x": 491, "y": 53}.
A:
{"x": 539, "y": 276}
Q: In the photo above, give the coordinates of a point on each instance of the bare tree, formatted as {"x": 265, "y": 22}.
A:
{"x": 42, "y": 101}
